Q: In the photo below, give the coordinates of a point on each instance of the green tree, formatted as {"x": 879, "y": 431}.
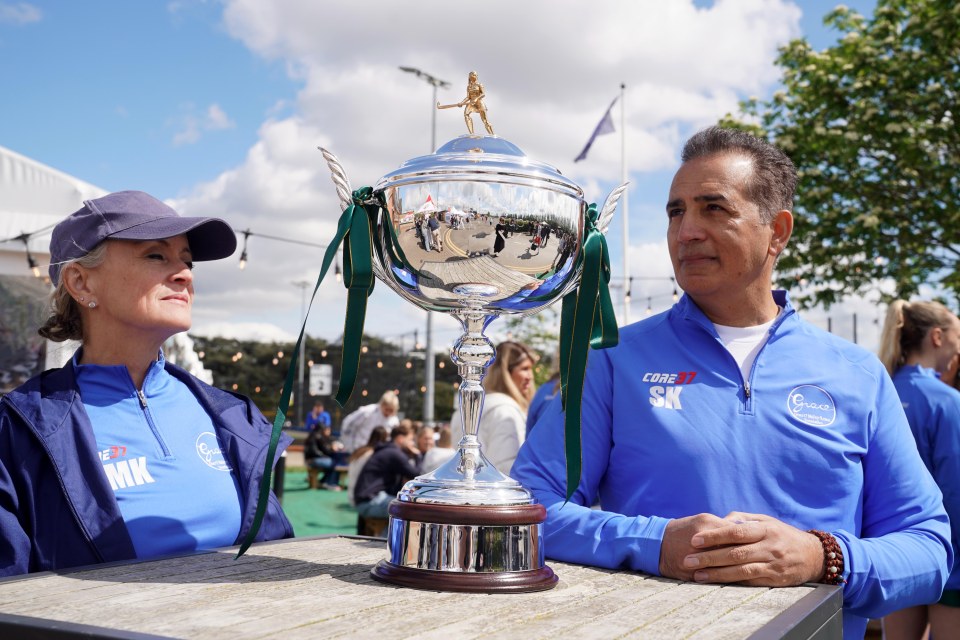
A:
{"x": 871, "y": 125}
{"x": 258, "y": 370}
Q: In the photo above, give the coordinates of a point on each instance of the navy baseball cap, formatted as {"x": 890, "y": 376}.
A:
{"x": 135, "y": 215}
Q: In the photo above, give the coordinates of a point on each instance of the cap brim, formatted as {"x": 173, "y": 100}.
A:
{"x": 210, "y": 238}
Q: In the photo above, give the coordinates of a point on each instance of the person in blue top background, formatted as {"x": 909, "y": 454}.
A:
{"x": 546, "y": 392}
{"x": 119, "y": 454}
{"x": 541, "y": 400}
{"x": 317, "y": 416}
{"x": 729, "y": 441}
{"x": 920, "y": 342}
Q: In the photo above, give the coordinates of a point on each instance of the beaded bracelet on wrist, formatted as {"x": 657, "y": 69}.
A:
{"x": 832, "y": 558}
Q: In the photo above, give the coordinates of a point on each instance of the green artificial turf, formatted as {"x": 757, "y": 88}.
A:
{"x": 314, "y": 512}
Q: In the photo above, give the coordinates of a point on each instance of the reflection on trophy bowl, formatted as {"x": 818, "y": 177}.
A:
{"x": 479, "y": 224}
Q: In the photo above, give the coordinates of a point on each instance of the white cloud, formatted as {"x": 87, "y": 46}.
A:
{"x": 191, "y": 126}
{"x": 218, "y": 119}
{"x": 189, "y": 134}
{"x": 259, "y": 331}
{"x": 20, "y": 13}
{"x": 549, "y": 70}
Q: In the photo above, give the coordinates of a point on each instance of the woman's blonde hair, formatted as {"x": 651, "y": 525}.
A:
{"x": 510, "y": 355}
{"x": 64, "y": 322}
{"x": 905, "y": 327}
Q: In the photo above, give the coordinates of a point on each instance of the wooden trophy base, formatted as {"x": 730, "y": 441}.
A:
{"x": 466, "y": 548}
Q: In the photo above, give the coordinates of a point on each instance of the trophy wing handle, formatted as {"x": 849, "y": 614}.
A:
{"x": 606, "y": 214}
{"x": 339, "y": 177}
{"x": 345, "y": 194}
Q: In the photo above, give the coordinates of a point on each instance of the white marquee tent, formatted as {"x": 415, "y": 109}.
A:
{"x": 34, "y": 198}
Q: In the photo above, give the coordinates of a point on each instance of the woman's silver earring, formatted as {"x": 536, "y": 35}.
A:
{"x": 92, "y": 304}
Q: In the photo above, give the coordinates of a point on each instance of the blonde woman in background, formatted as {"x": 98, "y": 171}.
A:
{"x": 509, "y": 388}
{"x": 920, "y": 342}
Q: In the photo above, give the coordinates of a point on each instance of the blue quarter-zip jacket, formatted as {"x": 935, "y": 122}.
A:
{"x": 933, "y": 411}
{"x": 816, "y": 437}
{"x": 57, "y": 509}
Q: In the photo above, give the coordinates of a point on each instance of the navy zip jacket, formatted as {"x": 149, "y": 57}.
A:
{"x": 57, "y": 509}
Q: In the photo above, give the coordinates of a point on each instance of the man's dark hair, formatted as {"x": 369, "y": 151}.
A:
{"x": 774, "y": 175}
{"x": 400, "y": 430}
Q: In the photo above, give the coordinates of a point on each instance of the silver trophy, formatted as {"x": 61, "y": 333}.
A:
{"x": 510, "y": 231}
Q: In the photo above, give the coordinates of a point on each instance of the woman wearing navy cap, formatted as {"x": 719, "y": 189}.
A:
{"x": 120, "y": 454}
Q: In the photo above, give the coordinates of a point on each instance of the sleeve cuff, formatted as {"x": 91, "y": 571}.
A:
{"x": 650, "y": 541}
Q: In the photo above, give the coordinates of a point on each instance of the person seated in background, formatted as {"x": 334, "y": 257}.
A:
{"x": 503, "y": 423}
{"x": 921, "y": 342}
{"x": 101, "y": 460}
{"x": 317, "y": 416}
{"x": 392, "y": 464}
{"x": 440, "y": 453}
{"x": 322, "y": 452}
{"x": 730, "y": 441}
{"x": 359, "y": 458}
{"x": 425, "y": 441}
{"x": 356, "y": 427}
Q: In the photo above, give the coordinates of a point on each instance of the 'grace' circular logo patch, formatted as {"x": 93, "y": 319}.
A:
{"x": 208, "y": 448}
{"x": 811, "y": 405}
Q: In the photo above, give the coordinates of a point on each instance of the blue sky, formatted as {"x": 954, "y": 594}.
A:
{"x": 102, "y": 89}
{"x": 219, "y": 106}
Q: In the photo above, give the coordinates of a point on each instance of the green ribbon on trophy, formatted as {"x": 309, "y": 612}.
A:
{"x": 354, "y": 230}
{"x": 586, "y": 319}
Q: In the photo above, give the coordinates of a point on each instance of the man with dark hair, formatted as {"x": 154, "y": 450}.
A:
{"x": 774, "y": 177}
{"x": 729, "y": 441}
{"x": 318, "y": 416}
{"x": 384, "y": 474}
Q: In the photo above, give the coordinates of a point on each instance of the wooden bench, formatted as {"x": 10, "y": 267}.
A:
{"x": 342, "y": 469}
{"x": 374, "y": 527}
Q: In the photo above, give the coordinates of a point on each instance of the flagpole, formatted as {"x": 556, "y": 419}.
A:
{"x": 626, "y": 206}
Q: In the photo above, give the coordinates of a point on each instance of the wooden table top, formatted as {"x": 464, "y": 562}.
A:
{"x": 321, "y": 588}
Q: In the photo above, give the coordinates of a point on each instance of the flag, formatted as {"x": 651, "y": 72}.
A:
{"x": 604, "y": 126}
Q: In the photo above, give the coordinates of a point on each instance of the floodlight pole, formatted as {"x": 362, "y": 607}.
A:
{"x": 428, "y": 362}
{"x": 303, "y": 284}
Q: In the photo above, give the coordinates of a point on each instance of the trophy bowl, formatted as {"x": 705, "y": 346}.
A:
{"x": 506, "y": 237}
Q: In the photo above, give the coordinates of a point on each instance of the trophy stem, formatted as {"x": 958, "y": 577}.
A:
{"x": 472, "y": 353}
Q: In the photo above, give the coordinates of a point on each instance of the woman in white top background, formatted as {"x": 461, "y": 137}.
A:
{"x": 509, "y": 387}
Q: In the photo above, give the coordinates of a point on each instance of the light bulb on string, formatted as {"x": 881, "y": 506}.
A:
{"x": 243, "y": 253}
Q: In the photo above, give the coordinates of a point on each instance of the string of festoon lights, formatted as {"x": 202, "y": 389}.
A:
{"x": 36, "y": 268}
{"x": 25, "y": 237}
{"x": 247, "y": 233}
{"x": 618, "y": 282}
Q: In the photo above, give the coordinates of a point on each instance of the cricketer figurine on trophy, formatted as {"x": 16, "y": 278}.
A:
{"x": 466, "y": 526}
